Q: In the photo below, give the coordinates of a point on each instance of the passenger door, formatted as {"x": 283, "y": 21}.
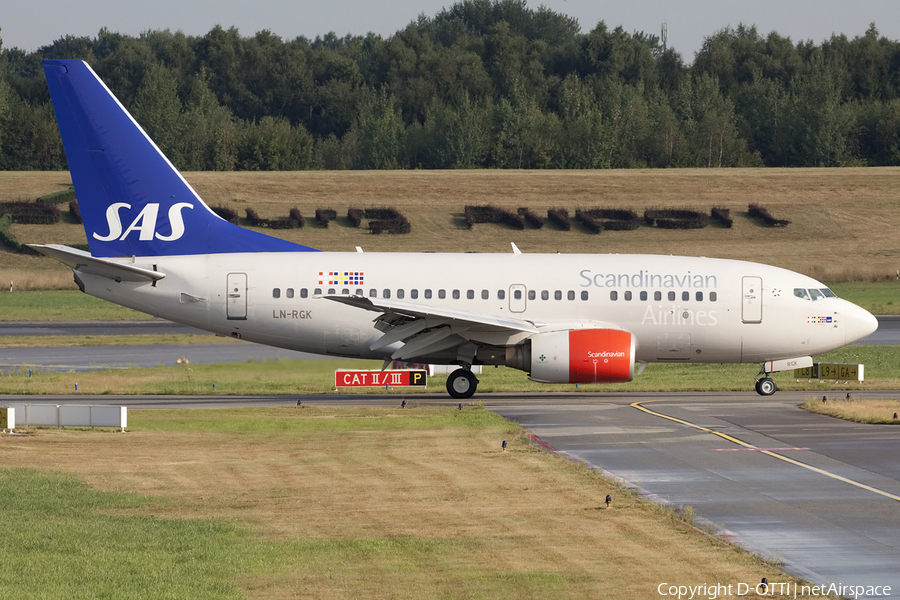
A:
{"x": 751, "y": 300}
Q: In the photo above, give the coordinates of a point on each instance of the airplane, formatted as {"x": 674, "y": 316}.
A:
{"x": 156, "y": 247}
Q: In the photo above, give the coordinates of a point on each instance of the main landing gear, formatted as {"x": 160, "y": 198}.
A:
{"x": 766, "y": 385}
{"x": 461, "y": 383}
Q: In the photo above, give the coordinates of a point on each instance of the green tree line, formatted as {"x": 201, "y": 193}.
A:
{"x": 481, "y": 84}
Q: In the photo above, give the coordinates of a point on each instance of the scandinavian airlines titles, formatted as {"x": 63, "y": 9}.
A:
{"x": 646, "y": 279}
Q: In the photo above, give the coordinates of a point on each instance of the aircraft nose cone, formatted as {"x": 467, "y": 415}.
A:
{"x": 860, "y": 323}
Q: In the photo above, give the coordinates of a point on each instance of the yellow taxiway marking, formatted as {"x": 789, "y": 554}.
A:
{"x": 735, "y": 440}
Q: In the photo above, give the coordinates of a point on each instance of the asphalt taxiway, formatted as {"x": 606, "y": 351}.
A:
{"x": 83, "y": 358}
{"x": 818, "y": 494}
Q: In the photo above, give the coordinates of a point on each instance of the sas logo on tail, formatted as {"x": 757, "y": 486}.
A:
{"x": 144, "y": 223}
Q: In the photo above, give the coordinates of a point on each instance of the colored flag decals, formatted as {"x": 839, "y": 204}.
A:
{"x": 819, "y": 320}
{"x": 341, "y": 278}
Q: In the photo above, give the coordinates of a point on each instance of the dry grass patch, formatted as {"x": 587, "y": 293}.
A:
{"x": 880, "y": 410}
{"x": 843, "y": 221}
{"x": 384, "y": 503}
{"x": 31, "y": 185}
{"x": 29, "y": 273}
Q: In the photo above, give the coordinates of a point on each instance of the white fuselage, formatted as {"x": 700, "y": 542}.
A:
{"x": 680, "y": 309}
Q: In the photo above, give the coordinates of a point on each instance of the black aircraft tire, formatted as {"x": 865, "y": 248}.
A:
{"x": 461, "y": 384}
{"x": 766, "y": 387}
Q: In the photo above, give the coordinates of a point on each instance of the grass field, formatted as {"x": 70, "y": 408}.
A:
{"x": 879, "y": 298}
{"x": 61, "y": 305}
{"x": 333, "y": 503}
{"x": 317, "y": 376}
{"x": 87, "y": 341}
{"x": 843, "y": 221}
{"x": 868, "y": 410}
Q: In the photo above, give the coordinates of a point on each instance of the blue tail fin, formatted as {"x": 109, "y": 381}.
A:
{"x": 132, "y": 200}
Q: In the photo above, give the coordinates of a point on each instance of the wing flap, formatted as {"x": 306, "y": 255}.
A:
{"x": 422, "y": 311}
{"x": 424, "y": 330}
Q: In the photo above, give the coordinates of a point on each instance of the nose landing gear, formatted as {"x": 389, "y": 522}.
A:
{"x": 766, "y": 385}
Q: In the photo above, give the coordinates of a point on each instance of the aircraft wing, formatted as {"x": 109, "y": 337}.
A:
{"x": 104, "y": 267}
{"x": 428, "y": 329}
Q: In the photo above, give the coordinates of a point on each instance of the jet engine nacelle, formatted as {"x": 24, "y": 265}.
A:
{"x": 583, "y": 356}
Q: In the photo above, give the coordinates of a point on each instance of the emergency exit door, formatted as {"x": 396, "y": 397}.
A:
{"x": 517, "y": 300}
{"x": 236, "y": 296}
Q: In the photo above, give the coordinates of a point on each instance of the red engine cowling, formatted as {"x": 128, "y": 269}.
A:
{"x": 583, "y": 356}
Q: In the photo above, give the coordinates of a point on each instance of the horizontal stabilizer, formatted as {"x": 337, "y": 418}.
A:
{"x": 84, "y": 262}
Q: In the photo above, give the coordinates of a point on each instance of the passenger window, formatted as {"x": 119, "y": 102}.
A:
{"x": 290, "y": 292}
{"x": 331, "y": 291}
{"x": 816, "y": 295}
{"x": 545, "y": 295}
{"x": 470, "y": 294}
{"x": 532, "y": 294}
{"x": 345, "y": 291}
{"x": 671, "y": 296}
{"x": 304, "y": 292}
{"x": 485, "y": 295}
{"x": 276, "y": 293}
{"x": 456, "y": 294}
{"x": 643, "y": 296}
{"x": 517, "y": 294}
{"x": 584, "y": 295}
{"x": 699, "y": 296}
{"x": 386, "y": 294}
{"x": 685, "y": 296}
{"x": 614, "y": 296}
{"x": 713, "y": 296}
{"x": 801, "y": 293}
{"x": 570, "y": 295}
{"x": 628, "y": 295}
{"x": 318, "y": 292}
{"x": 428, "y": 294}
{"x": 400, "y": 294}
{"x": 414, "y": 294}
{"x": 442, "y": 294}
{"x": 373, "y": 293}
{"x": 557, "y": 295}
{"x": 501, "y": 295}
{"x": 359, "y": 292}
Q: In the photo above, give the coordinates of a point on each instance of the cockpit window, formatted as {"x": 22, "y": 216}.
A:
{"x": 814, "y": 294}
